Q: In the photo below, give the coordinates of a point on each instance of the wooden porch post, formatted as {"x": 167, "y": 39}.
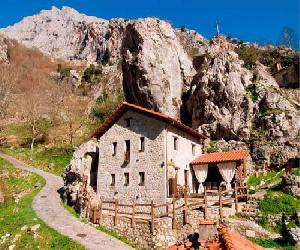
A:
{"x": 116, "y": 211}
{"x": 173, "y": 215}
{"x": 205, "y": 203}
{"x": 236, "y": 197}
{"x": 220, "y": 203}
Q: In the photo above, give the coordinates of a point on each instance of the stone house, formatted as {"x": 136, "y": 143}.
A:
{"x": 142, "y": 155}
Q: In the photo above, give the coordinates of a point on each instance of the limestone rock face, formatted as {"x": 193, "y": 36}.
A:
{"x": 3, "y": 51}
{"x": 62, "y": 33}
{"x": 218, "y": 104}
{"x": 228, "y": 101}
{"x": 156, "y": 69}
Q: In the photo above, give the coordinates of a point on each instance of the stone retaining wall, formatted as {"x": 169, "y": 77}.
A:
{"x": 163, "y": 235}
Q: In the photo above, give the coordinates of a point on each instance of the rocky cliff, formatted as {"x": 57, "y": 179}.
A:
{"x": 222, "y": 87}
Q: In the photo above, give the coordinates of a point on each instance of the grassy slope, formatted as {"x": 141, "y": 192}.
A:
{"x": 53, "y": 160}
{"x": 13, "y": 216}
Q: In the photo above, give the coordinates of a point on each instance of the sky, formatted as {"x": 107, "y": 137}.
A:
{"x": 249, "y": 20}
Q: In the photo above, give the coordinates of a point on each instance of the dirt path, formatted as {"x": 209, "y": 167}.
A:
{"x": 47, "y": 205}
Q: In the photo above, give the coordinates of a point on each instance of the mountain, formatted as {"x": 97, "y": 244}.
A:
{"x": 64, "y": 34}
{"x": 222, "y": 87}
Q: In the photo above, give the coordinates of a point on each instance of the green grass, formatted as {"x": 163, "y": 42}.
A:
{"x": 71, "y": 210}
{"x": 53, "y": 160}
{"x": 277, "y": 202}
{"x": 117, "y": 236}
{"x": 267, "y": 178}
{"x": 296, "y": 171}
{"x": 268, "y": 243}
{"x": 270, "y": 112}
{"x": 15, "y": 215}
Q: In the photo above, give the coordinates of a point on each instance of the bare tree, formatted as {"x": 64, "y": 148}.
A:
{"x": 74, "y": 115}
{"x": 35, "y": 107}
{"x": 7, "y": 83}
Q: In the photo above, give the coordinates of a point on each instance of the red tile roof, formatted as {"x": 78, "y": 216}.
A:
{"x": 221, "y": 157}
{"x": 234, "y": 241}
{"x": 115, "y": 116}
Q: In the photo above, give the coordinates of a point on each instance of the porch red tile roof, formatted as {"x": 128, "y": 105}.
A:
{"x": 125, "y": 106}
{"x": 221, "y": 157}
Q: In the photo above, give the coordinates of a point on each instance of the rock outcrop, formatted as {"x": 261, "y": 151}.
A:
{"x": 156, "y": 69}
{"x": 62, "y": 33}
{"x": 228, "y": 101}
{"x": 3, "y": 51}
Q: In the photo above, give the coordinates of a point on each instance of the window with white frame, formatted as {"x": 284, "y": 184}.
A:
{"x": 175, "y": 143}
{"x": 142, "y": 144}
{"x": 114, "y": 148}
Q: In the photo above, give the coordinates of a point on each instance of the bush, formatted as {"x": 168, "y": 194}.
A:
{"x": 91, "y": 74}
{"x": 64, "y": 72}
{"x": 106, "y": 104}
{"x": 212, "y": 147}
{"x": 279, "y": 202}
{"x": 252, "y": 90}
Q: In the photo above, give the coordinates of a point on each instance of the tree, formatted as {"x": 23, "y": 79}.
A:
{"x": 7, "y": 83}
{"x": 73, "y": 114}
{"x": 289, "y": 38}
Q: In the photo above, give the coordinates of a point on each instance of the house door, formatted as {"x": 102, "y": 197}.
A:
{"x": 94, "y": 168}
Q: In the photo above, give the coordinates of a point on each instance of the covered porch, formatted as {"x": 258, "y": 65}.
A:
{"x": 218, "y": 171}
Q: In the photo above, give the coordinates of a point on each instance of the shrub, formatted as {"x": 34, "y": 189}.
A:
{"x": 106, "y": 104}
{"x": 252, "y": 90}
{"x": 269, "y": 112}
{"x": 279, "y": 202}
{"x": 212, "y": 147}
{"x": 105, "y": 58}
{"x": 64, "y": 72}
{"x": 182, "y": 28}
{"x": 91, "y": 74}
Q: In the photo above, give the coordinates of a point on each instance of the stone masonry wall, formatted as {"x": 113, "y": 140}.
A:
{"x": 151, "y": 161}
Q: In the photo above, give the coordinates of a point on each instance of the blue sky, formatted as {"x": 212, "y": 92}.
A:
{"x": 255, "y": 20}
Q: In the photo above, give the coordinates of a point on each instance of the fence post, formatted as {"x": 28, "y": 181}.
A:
{"x": 100, "y": 211}
{"x": 205, "y": 203}
{"x": 167, "y": 209}
{"x": 133, "y": 215}
{"x": 235, "y": 197}
{"x": 185, "y": 207}
{"x": 173, "y": 213}
{"x": 220, "y": 203}
{"x": 116, "y": 211}
{"x": 152, "y": 216}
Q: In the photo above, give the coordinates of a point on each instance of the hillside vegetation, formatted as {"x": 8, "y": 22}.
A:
{"x": 19, "y": 224}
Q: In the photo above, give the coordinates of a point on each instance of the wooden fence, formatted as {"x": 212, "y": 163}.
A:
{"x": 151, "y": 211}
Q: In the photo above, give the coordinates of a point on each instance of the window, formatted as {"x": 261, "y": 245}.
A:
{"x": 142, "y": 144}
{"x": 126, "y": 179}
{"x": 186, "y": 177}
{"x": 113, "y": 179}
{"x": 175, "y": 143}
{"x": 127, "y": 121}
{"x": 193, "y": 149}
{"x": 127, "y": 151}
{"x": 141, "y": 178}
{"x": 114, "y": 148}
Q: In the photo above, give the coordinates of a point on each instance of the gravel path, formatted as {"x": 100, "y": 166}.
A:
{"x": 47, "y": 205}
